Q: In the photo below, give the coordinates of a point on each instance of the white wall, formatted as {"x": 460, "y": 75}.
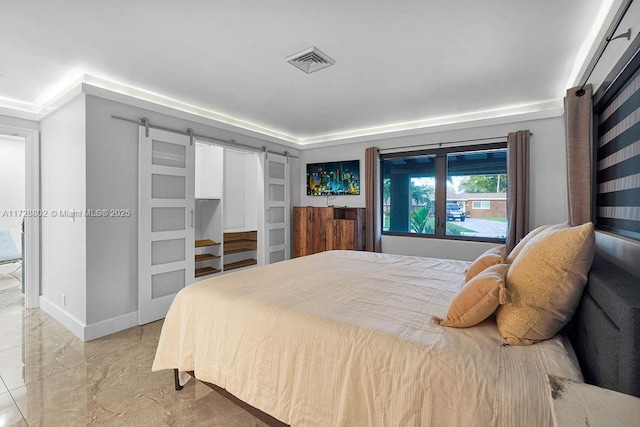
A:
{"x": 235, "y": 187}
{"x": 296, "y": 167}
{"x": 330, "y": 154}
{"x": 548, "y": 181}
{"x": 208, "y": 171}
{"x": 63, "y": 187}
{"x": 251, "y": 167}
{"x": 241, "y": 191}
{"x": 12, "y": 183}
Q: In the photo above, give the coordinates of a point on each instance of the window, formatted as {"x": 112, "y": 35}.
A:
{"x": 481, "y": 204}
{"x": 617, "y": 156}
{"x": 435, "y": 193}
{"x": 408, "y": 194}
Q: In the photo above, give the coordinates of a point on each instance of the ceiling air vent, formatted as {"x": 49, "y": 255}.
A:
{"x": 310, "y": 60}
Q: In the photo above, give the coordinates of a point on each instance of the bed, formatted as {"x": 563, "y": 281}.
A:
{"x": 346, "y": 338}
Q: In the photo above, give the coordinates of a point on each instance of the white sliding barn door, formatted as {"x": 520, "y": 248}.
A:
{"x": 277, "y": 208}
{"x": 165, "y": 220}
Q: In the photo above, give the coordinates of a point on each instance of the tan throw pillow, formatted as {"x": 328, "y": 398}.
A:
{"x": 546, "y": 281}
{"x": 533, "y": 233}
{"x": 491, "y": 257}
{"x": 478, "y": 299}
{"x": 522, "y": 243}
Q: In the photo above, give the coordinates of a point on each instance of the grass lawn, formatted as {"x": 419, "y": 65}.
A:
{"x": 499, "y": 219}
{"x": 457, "y": 229}
{"x": 452, "y": 229}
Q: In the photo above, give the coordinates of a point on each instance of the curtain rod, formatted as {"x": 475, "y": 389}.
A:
{"x": 603, "y": 45}
{"x": 440, "y": 144}
{"x": 143, "y": 121}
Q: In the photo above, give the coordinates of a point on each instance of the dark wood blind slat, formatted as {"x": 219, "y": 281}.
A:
{"x": 621, "y": 141}
{"x": 619, "y": 170}
{"x": 619, "y": 198}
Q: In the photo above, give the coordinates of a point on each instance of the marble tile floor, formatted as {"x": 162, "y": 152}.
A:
{"x": 51, "y": 378}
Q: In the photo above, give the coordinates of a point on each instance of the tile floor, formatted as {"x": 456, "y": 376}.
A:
{"x": 51, "y": 378}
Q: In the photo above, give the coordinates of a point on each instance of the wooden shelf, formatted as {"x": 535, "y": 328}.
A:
{"x": 206, "y": 270}
{"x": 243, "y": 241}
{"x": 205, "y": 257}
{"x": 205, "y": 242}
{"x": 240, "y": 264}
{"x": 241, "y": 235}
{"x": 237, "y": 251}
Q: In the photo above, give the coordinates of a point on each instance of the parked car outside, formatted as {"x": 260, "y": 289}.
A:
{"x": 454, "y": 212}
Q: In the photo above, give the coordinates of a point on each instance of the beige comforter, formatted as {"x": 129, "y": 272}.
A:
{"x": 345, "y": 339}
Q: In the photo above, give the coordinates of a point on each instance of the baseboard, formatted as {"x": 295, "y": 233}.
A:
{"x": 92, "y": 331}
{"x": 110, "y": 326}
{"x": 72, "y": 323}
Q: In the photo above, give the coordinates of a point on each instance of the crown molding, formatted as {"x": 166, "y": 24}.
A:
{"x": 118, "y": 92}
{"x": 520, "y": 113}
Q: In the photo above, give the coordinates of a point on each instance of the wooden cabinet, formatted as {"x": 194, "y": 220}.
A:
{"x": 324, "y": 229}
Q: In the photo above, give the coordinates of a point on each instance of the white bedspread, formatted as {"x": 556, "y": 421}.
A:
{"x": 345, "y": 339}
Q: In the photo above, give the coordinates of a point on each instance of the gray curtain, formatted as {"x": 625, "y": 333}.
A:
{"x": 372, "y": 200}
{"x": 517, "y": 187}
{"x": 579, "y": 131}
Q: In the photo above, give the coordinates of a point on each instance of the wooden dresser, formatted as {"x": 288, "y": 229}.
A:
{"x": 324, "y": 229}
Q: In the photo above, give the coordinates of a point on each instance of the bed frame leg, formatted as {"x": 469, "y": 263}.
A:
{"x": 176, "y": 379}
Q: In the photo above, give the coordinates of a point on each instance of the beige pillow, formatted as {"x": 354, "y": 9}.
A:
{"x": 491, "y": 257}
{"x": 522, "y": 243}
{"x": 546, "y": 281}
{"x": 533, "y": 233}
{"x": 478, "y": 299}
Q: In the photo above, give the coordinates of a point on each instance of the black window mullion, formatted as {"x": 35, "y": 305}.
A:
{"x": 441, "y": 194}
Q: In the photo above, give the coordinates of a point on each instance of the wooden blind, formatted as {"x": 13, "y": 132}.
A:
{"x": 618, "y": 162}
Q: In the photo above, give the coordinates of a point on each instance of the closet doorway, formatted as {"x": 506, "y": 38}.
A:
{"x": 19, "y": 219}
{"x": 204, "y": 210}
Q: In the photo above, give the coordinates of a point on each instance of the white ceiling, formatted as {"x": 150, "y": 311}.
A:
{"x": 398, "y": 63}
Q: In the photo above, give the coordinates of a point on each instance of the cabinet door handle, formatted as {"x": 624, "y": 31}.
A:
{"x": 191, "y": 212}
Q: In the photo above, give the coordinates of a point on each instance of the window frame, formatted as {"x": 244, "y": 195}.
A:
{"x": 620, "y": 77}
{"x": 473, "y": 204}
{"x": 440, "y": 189}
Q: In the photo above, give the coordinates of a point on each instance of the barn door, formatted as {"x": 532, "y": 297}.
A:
{"x": 165, "y": 220}
{"x": 277, "y": 208}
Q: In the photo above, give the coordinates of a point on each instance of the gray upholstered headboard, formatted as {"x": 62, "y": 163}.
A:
{"x": 605, "y": 331}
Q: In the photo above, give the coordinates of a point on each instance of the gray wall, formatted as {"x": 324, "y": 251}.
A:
{"x": 63, "y": 188}
{"x": 112, "y": 182}
{"x": 548, "y": 181}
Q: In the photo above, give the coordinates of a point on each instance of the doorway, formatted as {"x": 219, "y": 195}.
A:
{"x": 12, "y": 212}
{"x": 20, "y": 159}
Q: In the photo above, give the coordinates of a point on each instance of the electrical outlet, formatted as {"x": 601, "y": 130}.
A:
{"x": 64, "y": 300}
